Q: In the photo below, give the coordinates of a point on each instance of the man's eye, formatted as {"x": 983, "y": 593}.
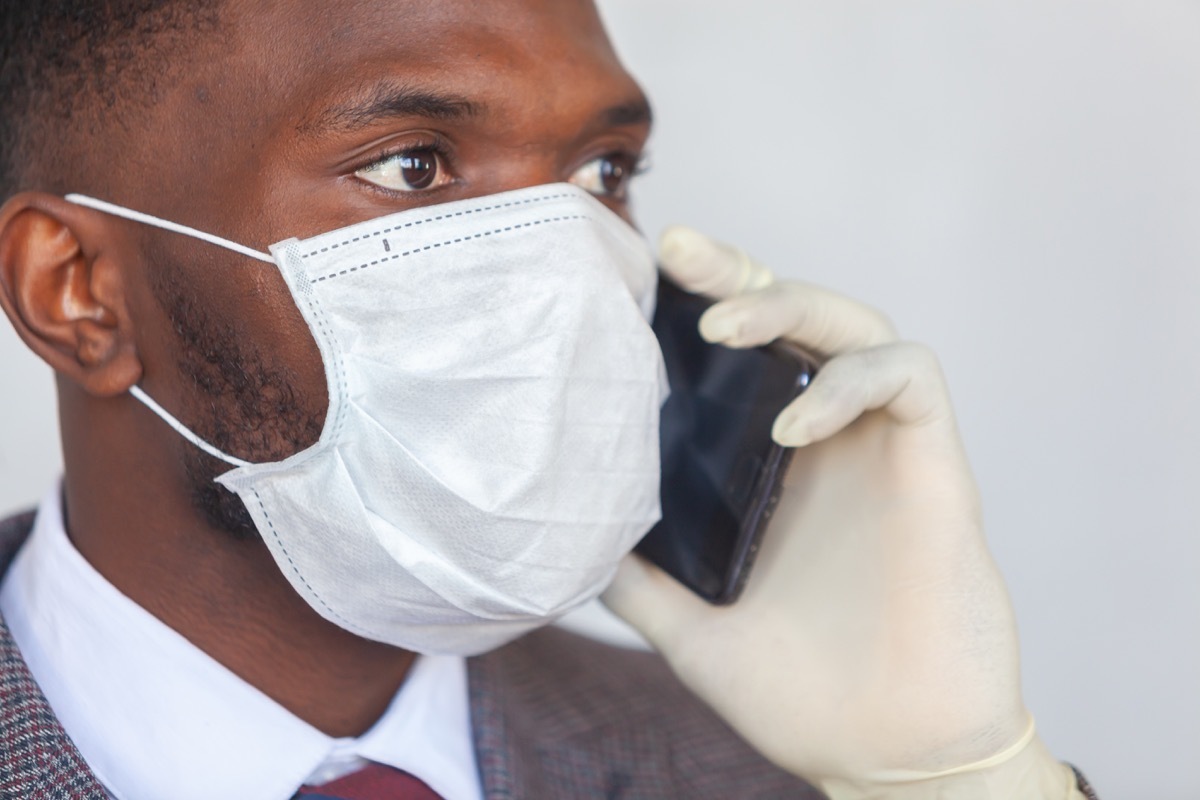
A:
{"x": 607, "y": 176}
{"x": 414, "y": 170}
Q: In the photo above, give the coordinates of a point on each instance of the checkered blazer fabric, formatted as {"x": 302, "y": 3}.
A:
{"x": 557, "y": 715}
{"x": 554, "y": 716}
{"x": 37, "y": 759}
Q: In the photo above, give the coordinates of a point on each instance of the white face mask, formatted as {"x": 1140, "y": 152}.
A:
{"x": 491, "y": 447}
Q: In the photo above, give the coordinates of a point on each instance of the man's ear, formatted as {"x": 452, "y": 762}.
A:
{"x": 63, "y": 289}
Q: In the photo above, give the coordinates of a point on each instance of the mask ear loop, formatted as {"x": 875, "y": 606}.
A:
{"x": 174, "y": 227}
{"x": 166, "y": 225}
{"x": 183, "y": 430}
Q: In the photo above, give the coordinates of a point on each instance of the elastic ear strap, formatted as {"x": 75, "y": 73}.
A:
{"x": 174, "y": 227}
{"x": 182, "y": 429}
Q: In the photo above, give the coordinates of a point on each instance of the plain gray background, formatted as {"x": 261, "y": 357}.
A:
{"x": 1017, "y": 183}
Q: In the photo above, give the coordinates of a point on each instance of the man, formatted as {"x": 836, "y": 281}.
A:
{"x": 191, "y": 647}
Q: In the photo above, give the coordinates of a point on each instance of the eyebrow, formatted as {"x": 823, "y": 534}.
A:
{"x": 389, "y": 102}
{"x": 633, "y": 112}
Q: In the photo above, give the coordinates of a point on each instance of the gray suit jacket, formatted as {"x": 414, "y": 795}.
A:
{"x": 554, "y": 716}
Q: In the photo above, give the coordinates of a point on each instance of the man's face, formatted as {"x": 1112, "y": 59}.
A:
{"x": 292, "y": 124}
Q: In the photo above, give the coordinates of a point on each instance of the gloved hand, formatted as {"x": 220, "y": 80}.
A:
{"x": 874, "y": 650}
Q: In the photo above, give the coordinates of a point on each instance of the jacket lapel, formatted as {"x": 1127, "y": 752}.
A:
{"x": 539, "y": 736}
{"x": 37, "y": 758}
{"x": 557, "y": 715}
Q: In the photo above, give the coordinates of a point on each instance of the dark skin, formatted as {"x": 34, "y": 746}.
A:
{"x": 266, "y": 132}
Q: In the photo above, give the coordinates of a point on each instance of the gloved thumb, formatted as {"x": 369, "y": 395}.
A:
{"x": 654, "y": 603}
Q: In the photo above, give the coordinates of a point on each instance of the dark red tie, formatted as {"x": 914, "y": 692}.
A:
{"x": 372, "y": 782}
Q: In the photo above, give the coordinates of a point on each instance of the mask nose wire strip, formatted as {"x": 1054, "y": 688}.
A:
{"x": 182, "y": 430}
{"x": 166, "y": 225}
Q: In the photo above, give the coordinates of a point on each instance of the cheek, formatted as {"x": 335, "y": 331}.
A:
{"x": 227, "y": 351}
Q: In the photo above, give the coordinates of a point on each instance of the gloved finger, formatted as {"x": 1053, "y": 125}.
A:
{"x": 702, "y": 265}
{"x": 902, "y": 378}
{"x": 654, "y": 603}
{"x": 817, "y": 319}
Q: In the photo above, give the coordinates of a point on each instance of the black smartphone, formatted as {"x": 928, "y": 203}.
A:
{"x": 721, "y": 471}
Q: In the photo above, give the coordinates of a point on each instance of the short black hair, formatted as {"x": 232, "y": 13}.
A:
{"x": 80, "y": 63}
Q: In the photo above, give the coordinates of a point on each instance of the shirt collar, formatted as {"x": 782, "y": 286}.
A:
{"x": 154, "y": 716}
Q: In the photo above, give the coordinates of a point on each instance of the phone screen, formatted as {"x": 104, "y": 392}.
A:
{"x": 720, "y": 468}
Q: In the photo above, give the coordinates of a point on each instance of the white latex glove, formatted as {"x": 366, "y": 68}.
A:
{"x": 874, "y": 650}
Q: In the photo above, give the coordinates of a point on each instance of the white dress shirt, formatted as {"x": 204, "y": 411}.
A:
{"x": 155, "y": 717}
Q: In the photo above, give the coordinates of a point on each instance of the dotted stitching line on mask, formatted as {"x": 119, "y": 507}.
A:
{"x": 345, "y": 623}
{"x": 468, "y": 212}
{"x": 449, "y": 243}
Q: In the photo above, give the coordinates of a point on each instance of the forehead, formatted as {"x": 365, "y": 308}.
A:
{"x": 532, "y": 53}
